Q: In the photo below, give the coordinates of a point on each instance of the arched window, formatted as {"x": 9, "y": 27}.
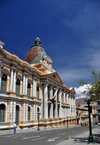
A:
{"x": 2, "y": 111}
{"x": 28, "y": 89}
{"x": 3, "y": 82}
{"x": 28, "y": 113}
{"x": 17, "y": 114}
{"x": 37, "y": 92}
{"x": 17, "y": 86}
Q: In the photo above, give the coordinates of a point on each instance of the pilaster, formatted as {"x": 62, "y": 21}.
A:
{"x": 51, "y": 108}
{"x": 14, "y": 82}
{"x": 7, "y": 83}
{"x": 34, "y": 86}
{"x": 42, "y": 101}
{"x": 11, "y": 81}
{"x": 24, "y": 84}
{"x": 60, "y": 110}
{"x": 46, "y": 101}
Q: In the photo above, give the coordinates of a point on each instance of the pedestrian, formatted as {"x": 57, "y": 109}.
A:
{"x": 15, "y": 127}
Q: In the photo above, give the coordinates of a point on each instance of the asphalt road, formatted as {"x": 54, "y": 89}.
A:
{"x": 45, "y": 137}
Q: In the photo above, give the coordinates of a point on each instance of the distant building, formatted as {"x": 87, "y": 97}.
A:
{"x": 32, "y": 87}
{"x": 82, "y": 115}
{"x": 82, "y": 112}
{"x": 96, "y": 112}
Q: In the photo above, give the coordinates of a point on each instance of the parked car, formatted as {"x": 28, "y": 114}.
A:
{"x": 99, "y": 124}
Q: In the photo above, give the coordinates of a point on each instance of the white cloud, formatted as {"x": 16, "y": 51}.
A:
{"x": 81, "y": 89}
{"x": 80, "y": 97}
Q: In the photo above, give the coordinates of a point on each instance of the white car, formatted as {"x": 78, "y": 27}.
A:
{"x": 99, "y": 124}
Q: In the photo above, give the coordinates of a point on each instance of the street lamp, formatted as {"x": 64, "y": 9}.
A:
{"x": 38, "y": 120}
{"x": 67, "y": 121}
{"x": 90, "y": 128}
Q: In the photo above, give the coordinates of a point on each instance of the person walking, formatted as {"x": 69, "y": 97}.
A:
{"x": 15, "y": 127}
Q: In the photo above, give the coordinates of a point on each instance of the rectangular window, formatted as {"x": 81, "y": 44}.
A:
{"x": 98, "y": 102}
{"x": 98, "y": 110}
{"x": 17, "y": 89}
{"x": 28, "y": 91}
{"x": 3, "y": 85}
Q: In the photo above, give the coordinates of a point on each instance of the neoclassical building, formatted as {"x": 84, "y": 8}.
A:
{"x": 27, "y": 89}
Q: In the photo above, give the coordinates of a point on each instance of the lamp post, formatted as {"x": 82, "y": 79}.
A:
{"x": 38, "y": 120}
{"x": 67, "y": 121}
{"x": 90, "y": 128}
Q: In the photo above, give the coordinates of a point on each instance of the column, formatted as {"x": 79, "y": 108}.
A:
{"x": 67, "y": 98}
{"x": 14, "y": 83}
{"x": 24, "y": 84}
{"x": 31, "y": 91}
{"x": 20, "y": 87}
{"x": 72, "y": 106}
{"x": 72, "y": 101}
{"x": 0, "y": 78}
{"x": 7, "y": 83}
{"x": 8, "y": 111}
{"x": 23, "y": 110}
{"x": 67, "y": 112}
{"x": 41, "y": 101}
{"x": 60, "y": 112}
{"x": 51, "y": 108}
{"x": 32, "y": 112}
{"x": 11, "y": 80}
{"x": 14, "y": 111}
{"x": 26, "y": 112}
{"x": 36, "y": 112}
{"x": 46, "y": 101}
{"x": 64, "y": 96}
{"x": 34, "y": 87}
{"x": 39, "y": 95}
{"x": 9, "y": 118}
{"x": 56, "y": 111}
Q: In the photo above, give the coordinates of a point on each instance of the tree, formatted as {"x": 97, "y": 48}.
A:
{"x": 94, "y": 89}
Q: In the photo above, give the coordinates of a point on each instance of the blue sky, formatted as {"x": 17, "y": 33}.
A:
{"x": 69, "y": 30}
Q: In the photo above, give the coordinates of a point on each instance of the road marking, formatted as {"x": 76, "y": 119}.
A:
{"x": 10, "y": 136}
{"x": 52, "y": 139}
{"x": 38, "y": 138}
{"x": 18, "y": 135}
{"x": 73, "y": 130}
{"x": 30, "y": 137}
{"x": 61, "y": 133}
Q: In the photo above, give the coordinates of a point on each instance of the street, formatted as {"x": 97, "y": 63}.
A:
{"x": 45, "y": 137}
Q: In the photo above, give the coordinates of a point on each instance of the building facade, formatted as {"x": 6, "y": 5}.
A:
{"x": 82, "y": 115}
{"x": 32, "y": 90}
{"x": 96, "y": 112}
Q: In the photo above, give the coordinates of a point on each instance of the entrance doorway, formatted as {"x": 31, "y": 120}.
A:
{"x": 2, "y": 112}
{"x": 17, "y": 115}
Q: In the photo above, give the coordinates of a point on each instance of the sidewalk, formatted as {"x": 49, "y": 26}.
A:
{"x": 83, "y": 139}
{"x": 19, "y": 130}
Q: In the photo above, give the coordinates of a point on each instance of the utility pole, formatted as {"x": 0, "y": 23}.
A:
{"x": 91, "y": 139}
{"x": 67, "y": 121}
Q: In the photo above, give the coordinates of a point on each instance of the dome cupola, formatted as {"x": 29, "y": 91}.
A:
{"x": 36, "y": 52}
